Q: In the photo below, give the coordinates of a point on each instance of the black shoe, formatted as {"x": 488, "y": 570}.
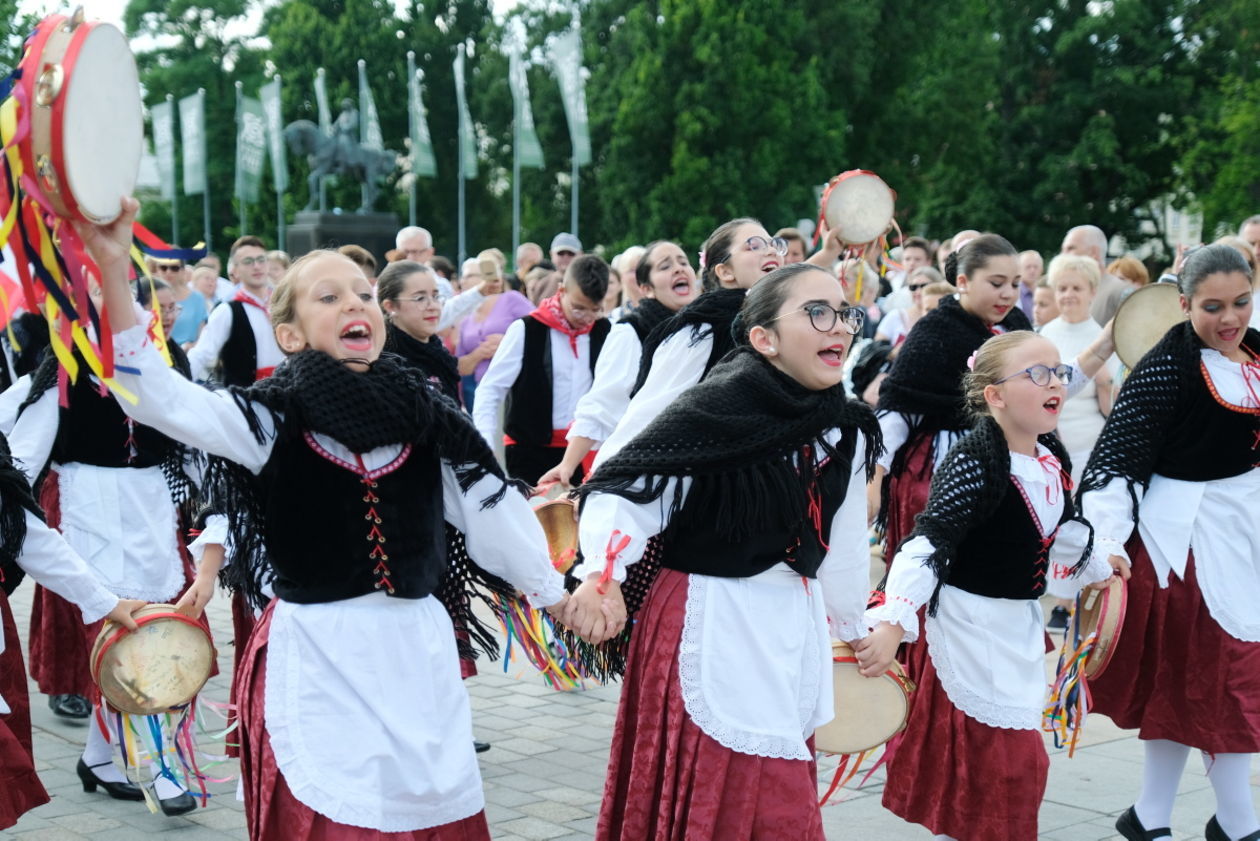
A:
{"x": 118, "y": 791}
{"x": 70, "y": 706}
{"x": 1058, "y": 619}
{"x": 180, "y": 804}
{"x": 481, "y": 747}
{"x": 1213, "y": 832}
{"x": 1131, "y": 828}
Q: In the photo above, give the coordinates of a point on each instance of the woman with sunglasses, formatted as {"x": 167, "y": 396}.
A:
{"x": 1173, "y": 490}
{"x": 921, "y": 404}
{"x": 738, "y": 512}
{"x": 680, "y": 352}
{"x": 895, "y": 326}
{"x": 971, "y": 764}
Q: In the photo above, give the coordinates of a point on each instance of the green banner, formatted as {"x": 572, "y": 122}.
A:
{"x": 423, "y": 161}
{"x": 251, "y": 147}
{"x": 270, "y": 96}
{"x": 369, "y": 122}
{"x": 321, "y": 102}
{"x": 566, "y": 59}
{"x": 528, "y": 149}
{"x": 467, "y": 134}
{"x": 192, "y": 125}
{"x": 164, "y": 146}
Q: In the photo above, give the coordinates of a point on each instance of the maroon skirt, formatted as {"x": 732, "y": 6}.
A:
{"x": 908, "y": 493}
{"x": 272, "y": 813}
{"x": 667, "y": 780}
{"x": 1176, "y": 674}
{"x": 961, "y": 778}
{"x": 20, "y": 788}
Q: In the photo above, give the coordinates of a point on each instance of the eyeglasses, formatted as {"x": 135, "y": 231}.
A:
{"x": 1040, "y": 374}
{"x": 172, "y": 309}
{"x": 823, "y": 317}
{"x": 252, "y": 261}
{"x": 580, "y": 309}
{"x": 915, "y": 287}
{"x": 776, "y": 244}
{"x": 421, "y": 299}
{"x": 170, "y": 267}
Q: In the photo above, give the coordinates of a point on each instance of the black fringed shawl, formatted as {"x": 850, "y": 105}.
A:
{"x": 388, "y": 404}
{"x": 15, "y": 500}
{"x": 646, "y": 316}
{"x": 431, "y": 358}
{"x": 737, "y": 435}
{"x": 926, "y": 378}
{"x": 967, "y": 489}
{"x": 1161, "y": 416}
{"x": 717, "y": 309}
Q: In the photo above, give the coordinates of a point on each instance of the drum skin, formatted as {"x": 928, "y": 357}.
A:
{"x": 859, "y": 205}
{"x": 86, "y": 118}
{"x": 869, "y": 711}
{"x": 1101, "y": 611}
{"x": 162, "y": 665}
{"x": 1143, "y": 318}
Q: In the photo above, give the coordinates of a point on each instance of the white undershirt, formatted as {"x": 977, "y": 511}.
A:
{"x": 600, "y": 409}
{"x": 204, "y": 355}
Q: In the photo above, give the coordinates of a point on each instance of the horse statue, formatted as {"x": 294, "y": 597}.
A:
{"x": 338, "y": 155}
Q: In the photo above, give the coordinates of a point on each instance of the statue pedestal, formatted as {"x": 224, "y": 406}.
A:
{"x": 313, "y": 229}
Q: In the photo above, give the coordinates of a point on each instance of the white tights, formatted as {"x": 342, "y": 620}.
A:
{"x": 1229, "y": 774}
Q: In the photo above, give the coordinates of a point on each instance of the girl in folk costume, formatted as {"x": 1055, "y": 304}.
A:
{"x": 339, "y": 474}
{"x": 922, "y": 410}
{"x": 668, "y": 284}
{"x": 28, "y": 545}
{"x": 116, "y": 489}
{"x": 749, "y": 488}
{"x": 1173, "y": 489}
{"x": 971, "y": 764}
{"x": 408, "y": 295}
{"x": 680, "y": 352}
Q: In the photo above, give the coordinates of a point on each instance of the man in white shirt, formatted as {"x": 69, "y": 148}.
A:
{"x": 543, "y": 366}
{"x": 238, "y": 338}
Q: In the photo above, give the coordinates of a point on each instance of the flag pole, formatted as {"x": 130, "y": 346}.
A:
{"x": 205, "y": 162}
{"x": 170, "y": 101}
{"x": 411, "y": 132}
{"x": 240, "y": 193}
{"x": 463, "y": 251}
{"x": 516, "y": 185}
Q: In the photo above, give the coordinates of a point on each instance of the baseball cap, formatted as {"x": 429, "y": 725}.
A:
{"x": 566, "y": 242}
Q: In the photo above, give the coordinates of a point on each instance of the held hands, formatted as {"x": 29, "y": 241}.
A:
{"x": 875, "y": 652}
{"x": 122, "y": 613}
{"x": 595, "y": 616}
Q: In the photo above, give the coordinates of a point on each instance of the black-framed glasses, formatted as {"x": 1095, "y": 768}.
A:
{"x": 170, "y": 267}
{"x": 915, "y": 287}
{"x": 823, "y": 317}
{"x": 1040, "y": 374}
{"x": 776, "y": 244}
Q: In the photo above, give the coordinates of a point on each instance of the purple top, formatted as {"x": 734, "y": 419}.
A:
{"x": 509, "y": 307}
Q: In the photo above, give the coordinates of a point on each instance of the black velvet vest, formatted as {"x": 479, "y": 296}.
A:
{"x": 1208, "y": 441}
{"x": 527, "y": 417}
{"x": 335, "y": 532}
{"x": 239, "y": 355}
{"x": 95, "y": 430}
{"x": 989, "y": 559}
{"x": 706, "y": 551}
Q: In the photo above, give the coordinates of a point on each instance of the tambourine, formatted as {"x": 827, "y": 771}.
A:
{"x": 160, "y": 666}
{"x": 1143, "y": 318}
{"x": 1099, "y": 612}
{"x": 86, "y": 118}
{"x": 559, "y": 522}
{"x": 869, "y": 711}
{"x": 859, "y": 205}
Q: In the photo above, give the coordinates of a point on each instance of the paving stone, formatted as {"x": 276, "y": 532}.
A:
{"x": 535, "y": 829}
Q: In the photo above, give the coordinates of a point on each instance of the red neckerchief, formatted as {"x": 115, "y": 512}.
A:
{"x": 551, "y": 313}
{"x": 246, "y": 298}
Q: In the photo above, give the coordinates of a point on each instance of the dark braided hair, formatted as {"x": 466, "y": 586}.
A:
{"x": 1209, "y": 260}
{"x": 717, "y": 249}
{"x": 975, "y": 255}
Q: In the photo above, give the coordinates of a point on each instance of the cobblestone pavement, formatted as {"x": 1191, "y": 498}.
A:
{"x": 544, "y": 775}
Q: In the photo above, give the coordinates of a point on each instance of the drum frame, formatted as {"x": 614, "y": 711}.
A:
{"x": 844, "y": 176}
{"x": 112, "y": 632}
{"x": 842, "y": 652}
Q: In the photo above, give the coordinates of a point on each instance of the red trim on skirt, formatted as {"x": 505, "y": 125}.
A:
{"x": 20, "y": 788}
{"x": 961, "y": 778}
{"x": 272, "y": 813}
{"x": 667, "y": 780}
{"x": 908, "y": 493}
{"x": 1176, "y": 674}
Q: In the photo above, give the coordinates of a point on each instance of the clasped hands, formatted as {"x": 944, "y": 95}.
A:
{"x": 592, "y": 615}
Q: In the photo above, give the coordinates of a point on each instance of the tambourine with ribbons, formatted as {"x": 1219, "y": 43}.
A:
{"x": 859, "y": 207}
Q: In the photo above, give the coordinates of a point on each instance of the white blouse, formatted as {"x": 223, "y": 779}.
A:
{"x": 755, "y": 658}
{"x": 677, "y": 365}
{"x": 989, "y": 653}
{"x": 339, "y": 706}
{"x": 616, "y": 370}
{"x": 1219, "y": 520}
